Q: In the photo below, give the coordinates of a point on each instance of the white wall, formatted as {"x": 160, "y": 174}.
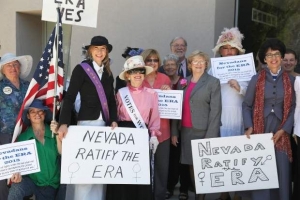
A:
{"x": 145, "y": 24}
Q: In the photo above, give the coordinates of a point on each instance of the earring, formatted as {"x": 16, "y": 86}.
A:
{"x": 129, "y": 79}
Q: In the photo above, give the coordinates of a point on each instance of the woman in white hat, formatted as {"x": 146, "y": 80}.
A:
{"x": 145, "y": 100}
{"x": 233, "y": 92}
{"x": 13, "y": 69}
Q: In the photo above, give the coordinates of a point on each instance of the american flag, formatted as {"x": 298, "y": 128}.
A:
{"x": 43, "y": 82}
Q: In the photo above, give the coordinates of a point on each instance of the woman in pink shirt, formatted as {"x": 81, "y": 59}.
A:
{"x": 145, "y": 100}
{"x": 201, "y": 112}
{"x": 157, "y": 80}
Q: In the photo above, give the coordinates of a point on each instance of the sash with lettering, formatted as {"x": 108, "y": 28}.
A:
{"x": 101, "y": 94}
{"x": 131, "y": 108}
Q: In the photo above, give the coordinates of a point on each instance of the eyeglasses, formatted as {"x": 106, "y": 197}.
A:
{"x": 198, "y": 62}
{"x": 34, "y": 112}
{"x": 152, "y": 60}
{"x": 271, "y": 55}
{"x": 11, "y": 65}
{"x": 137, "y": 71}
{"x": 179, "y": 45}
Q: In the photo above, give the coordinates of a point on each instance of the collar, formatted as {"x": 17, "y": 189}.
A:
{"x": 134, "y": 89}
{"x": 98, "y": 69}
{"x": 276, "y": 73}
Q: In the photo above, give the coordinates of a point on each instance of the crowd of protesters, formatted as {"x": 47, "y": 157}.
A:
{"x": 269, "y": 102}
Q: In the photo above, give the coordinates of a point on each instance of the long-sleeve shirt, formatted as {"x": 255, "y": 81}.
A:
{"x": 161, "y": 79}
{"x": 146, "y": 101}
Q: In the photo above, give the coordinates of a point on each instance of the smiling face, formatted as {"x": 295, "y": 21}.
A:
{"x": 198, "y": 65}
{"x": 36, "y": 116}
{"x": 136, "y": 76}
{"x": 98, "y": 53}
{"x": 152, "y": 61}
{"x": 289, "y": 62}
{"x": 171, "y": 67}
{"x": 11, "y": 70}
{"x": 273, "y": 60}
{"x": 178, "y": 47}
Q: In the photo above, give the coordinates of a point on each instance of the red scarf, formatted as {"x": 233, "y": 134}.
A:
{"x": 283, "y": 144}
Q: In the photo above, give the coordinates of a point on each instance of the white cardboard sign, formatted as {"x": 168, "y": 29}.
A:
{"x": 18, "y": 157}
{"x": 99, "y": 155}
{"x": 170, "y": 103}
{"x": 74, "y": 12}
{"x": 234, "y": 163}
{"x": 240, "y": 68}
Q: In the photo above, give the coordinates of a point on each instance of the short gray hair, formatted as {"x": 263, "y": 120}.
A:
{"x": 177, "y": 38}
{"x": 169, "y": 57}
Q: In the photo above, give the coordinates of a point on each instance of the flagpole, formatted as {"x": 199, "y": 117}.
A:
{"x": 56, "y": 64}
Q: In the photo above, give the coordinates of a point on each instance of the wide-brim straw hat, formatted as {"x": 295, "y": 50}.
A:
{"x": 232, "y": 37}
{"x": 132, "y": 63}
{"x": 25, "y": 62}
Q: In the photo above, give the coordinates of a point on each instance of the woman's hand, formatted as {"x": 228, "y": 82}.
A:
{"x": 248, "y": 132}
{"x": 234, "y": 84}
{"x": 278, "y": 135}
{"x": 62, "y": 131}
{"x": 113, "y": 125}
{"x": 175, "y": 140}
{"x": 53, "y": 126}
{"x": 165, "y": 87}
{"x": 16, "y": 178}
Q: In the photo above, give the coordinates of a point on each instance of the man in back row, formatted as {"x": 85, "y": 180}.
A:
{"x": 178, "y": 47}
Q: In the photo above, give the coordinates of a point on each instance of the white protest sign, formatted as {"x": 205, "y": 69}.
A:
{"x": 234, "y": 163}
{"x": 170, "y": 103}
{"x": 18, "y": 157}
{"x": 240, "y": 68}
{"x": 99, "y": 155}
{"x": 74, "y": 12}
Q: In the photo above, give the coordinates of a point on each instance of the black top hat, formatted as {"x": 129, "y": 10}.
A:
{"x": 99, "y": 41}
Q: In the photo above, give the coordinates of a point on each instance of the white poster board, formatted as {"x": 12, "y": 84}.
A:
{"x": 240, "y": 68}
{"x": 74, "y": 12}
{"x": 234, "y": 163}
{"x": 18, "y": 157}
{"x": 170, "y": 103}
{"x": 99, "y": 155}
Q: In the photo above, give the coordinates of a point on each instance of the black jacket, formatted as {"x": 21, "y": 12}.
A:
{"x": 90, "y": 103}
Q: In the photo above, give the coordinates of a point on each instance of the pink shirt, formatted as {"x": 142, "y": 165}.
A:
{"x": 186, "y": 110}
{"x": 161, "y": 79}
{"x": 146, "y": 101}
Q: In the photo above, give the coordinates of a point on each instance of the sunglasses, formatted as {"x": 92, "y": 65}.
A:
{"x": 137, "y": 71}
{"x": 152, "y": 60}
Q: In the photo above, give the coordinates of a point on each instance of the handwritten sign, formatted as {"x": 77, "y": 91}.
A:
{"x": 240, "y": 68}
{"x": 170, "y": 103}
{"x": 18, "y": 157}
{"x": 75, "y": 12}
{"x": 234, "y": 163}
{"x": 92, "y": 154}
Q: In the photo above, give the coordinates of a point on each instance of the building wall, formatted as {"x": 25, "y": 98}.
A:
{"x": 146, "y": 24}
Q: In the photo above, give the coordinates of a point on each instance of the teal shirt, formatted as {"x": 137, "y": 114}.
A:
{"x": 48, "y": 158}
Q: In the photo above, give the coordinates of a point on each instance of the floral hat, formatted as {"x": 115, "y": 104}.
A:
{"x": 132, "y": 63}
{"x": 232, "y": 37}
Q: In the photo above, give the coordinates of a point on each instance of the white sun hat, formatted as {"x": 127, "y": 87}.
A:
{"x": 25, "y": 62}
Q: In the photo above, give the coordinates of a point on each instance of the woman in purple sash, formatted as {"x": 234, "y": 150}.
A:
{"x": 93, "y": 80}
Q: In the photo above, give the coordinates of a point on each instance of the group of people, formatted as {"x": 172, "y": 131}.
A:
{"x": 266, "y": 103}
